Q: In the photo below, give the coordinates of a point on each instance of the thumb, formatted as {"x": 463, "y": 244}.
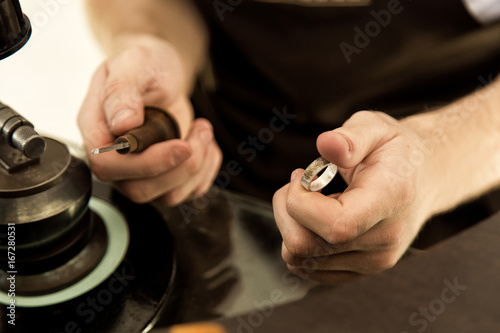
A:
{"x": 361, "y": 134}
{"x": 122, "y": 103}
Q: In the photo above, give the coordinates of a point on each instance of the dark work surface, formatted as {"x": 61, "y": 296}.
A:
{"x": 453, "y": 286}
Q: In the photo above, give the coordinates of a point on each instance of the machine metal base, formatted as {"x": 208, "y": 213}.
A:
{"x": 127, "y": 289}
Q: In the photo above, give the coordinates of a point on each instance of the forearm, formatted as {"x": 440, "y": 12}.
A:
{"x": 463, "y": 142}
{"x": 117, "y": 23}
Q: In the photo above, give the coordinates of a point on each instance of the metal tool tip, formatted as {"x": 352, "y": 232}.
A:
{"x": 122, "y": 147}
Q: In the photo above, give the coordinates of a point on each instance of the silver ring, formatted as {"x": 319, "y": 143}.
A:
{"x": 313, "y": 170}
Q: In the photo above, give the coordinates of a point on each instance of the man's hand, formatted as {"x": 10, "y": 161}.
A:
{"x": 148, "y": 73}
{"x": 367, "y": 228}
{"x": 400, "y": 173}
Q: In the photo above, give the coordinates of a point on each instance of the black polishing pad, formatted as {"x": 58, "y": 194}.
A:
{"x": 131, "y": 295}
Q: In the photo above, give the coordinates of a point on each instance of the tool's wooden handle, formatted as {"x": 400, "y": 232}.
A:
{"x": 158, "y": 126}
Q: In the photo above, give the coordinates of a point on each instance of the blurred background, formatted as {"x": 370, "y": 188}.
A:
{"x": 47, "y": 79}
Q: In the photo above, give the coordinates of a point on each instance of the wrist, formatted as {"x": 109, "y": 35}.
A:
{"x": 426, "y": 160}
{"x": 129, "y": 39}
{"x": 160, "y": 59}
{"x": 460, "y": 147}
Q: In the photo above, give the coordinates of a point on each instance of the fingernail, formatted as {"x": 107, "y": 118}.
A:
{"x": 178, "y": 155}
{"x": 206, "y": 136}
{"x": 347, "y": 140}
{"x": 120, "y": 116}
{"x": 294, "y": 174}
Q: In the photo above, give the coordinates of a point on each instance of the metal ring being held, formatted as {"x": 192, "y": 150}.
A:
{"x": 313, "y": 170}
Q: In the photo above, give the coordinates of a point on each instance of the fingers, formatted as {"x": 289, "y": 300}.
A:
{"x": 369, "y": 198}
{"x": 299, "y": 225}
{"x": 129, "y": 81}
{"x": 298, "y": 240}
{"x": 91, "y": 119}
{"x": 123, "y": 105}
{"x": 125, "y": 89}
{"x": 348, "y": 145}
{"x": 199, "y": 171}
{"x": 343, "y": 219}
{"x": 362, "y": 262}
{"x": 365, "y": 229}
{"x": 370, "y": 253}
{"x": 154, "y": 161}
{"x": 110, "y": 108}
{"x": 147, "y": 73}
{"x": 192, "y": 176}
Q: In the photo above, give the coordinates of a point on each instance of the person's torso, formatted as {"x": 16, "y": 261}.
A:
{"x": 323, "y": 60}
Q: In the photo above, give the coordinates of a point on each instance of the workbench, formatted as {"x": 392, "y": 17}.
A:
{"x": 451, "y": 286}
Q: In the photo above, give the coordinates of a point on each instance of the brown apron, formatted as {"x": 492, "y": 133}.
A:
{"x": 282, "y": 73}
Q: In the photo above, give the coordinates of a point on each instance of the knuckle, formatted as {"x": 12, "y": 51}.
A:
{"x": 286, "y": 255}
{"x": 292, "y": 203}
{"x": 118, "y": 93}
{"x": 139, "y": 194}
{"x": 364, "y": 115}
{"x": 391, "y": 239}
{"x": 384, "y": 261}
{"x": 173, "y": 198}
{"x": 297, "y": 245}
{"x": 134, "y": 54}
{"x": 374, "y": 118}
{"x": 276, "y": 201}
{"x": 341, "y": 231}
{"x": 370, "y": 117}
{"x": 153, "y": 168}
{"x": 218, "y": 155}
{"x": 193, "y": 164}
{"x": 202, "y": 190}
{"x": 338, "y": 236}
{"x": 112, "y": 87}
{"x": 407, "y": 194}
